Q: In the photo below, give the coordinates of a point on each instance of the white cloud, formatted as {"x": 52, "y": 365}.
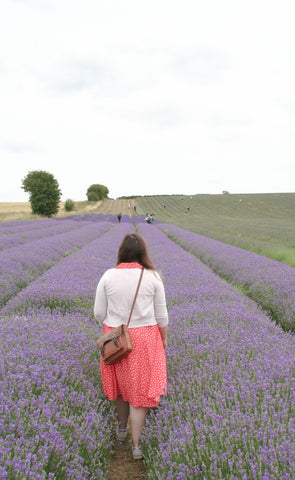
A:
{"x": 201, "y": 94}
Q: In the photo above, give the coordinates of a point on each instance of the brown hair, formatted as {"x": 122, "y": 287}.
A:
{"x": 133, "y": 249}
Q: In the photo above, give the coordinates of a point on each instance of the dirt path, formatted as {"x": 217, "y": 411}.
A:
{"x": 122, "y": 465}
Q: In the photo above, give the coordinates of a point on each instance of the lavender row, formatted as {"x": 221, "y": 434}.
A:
{"x": 269, "y": 283}
{"x": 14, "y": 226}
{"x": 55, "y": 423}
{"x": 20, "y": 226}
{"x": 25, "y": 235}
{"x": 51, "y": 361}
{"x": 21, "y": 265}
{"x": 229, "y": 412}
{"x": 70, "y": 285}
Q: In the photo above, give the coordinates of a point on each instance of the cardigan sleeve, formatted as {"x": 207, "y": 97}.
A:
{"x": 101, "y": 303}
{"x": 160, "y": 307}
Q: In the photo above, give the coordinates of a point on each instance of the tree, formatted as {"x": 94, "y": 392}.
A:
{"x": 44, "y": 192}
{"x": 97, "y": 192}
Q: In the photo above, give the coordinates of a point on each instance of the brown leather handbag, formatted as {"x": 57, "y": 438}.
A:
{"x": 117, "y": 344}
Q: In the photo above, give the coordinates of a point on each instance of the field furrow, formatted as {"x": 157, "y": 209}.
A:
{"x": 22, "y": 264}
{"x": 25, "y": 235}
{"x": 69, "y": 286}
{"x": 55, "y": 415}
{"x": 7, "y": 228}
{"x": 269, "y": 283}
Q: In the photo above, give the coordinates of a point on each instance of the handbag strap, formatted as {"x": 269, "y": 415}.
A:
{"x": 138, "y": 285}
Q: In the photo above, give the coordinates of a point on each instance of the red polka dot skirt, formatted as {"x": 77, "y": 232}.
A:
{"x": 141, "y": 377}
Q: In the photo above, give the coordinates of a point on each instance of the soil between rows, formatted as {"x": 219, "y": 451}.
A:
{"x": 123, "y": 467}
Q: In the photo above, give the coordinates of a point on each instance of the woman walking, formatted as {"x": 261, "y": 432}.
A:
{"x": 136, "y": 382}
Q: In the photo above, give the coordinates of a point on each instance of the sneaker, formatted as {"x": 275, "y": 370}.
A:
{"x": 137, "y": 453}
{"x": 121, "y": 434}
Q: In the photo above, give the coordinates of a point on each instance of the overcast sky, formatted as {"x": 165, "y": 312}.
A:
{"x": 151, "y": 97}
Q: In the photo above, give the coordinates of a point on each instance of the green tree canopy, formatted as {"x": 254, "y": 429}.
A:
{"x": 44, "y": 192}
{"x": 97, "y": 192}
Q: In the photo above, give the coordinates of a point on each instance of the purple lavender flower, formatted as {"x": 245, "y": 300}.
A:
{"x": 55, "y": 422}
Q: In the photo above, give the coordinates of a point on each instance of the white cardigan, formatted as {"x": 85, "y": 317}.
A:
{"x": 115, "y": 293}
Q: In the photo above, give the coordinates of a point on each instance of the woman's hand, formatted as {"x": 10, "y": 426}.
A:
{"x": 163, "y": 332}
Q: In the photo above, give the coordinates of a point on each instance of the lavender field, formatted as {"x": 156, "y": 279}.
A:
{"x": 269, "y": 283}
{"x": 229, "y": 412}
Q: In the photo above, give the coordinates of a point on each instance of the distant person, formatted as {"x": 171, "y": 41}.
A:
{"x": 129, "y": 205}
{"x": 119, "y": 216}
{"x": 149, "y": 218}
{"x": 134, "y": 208}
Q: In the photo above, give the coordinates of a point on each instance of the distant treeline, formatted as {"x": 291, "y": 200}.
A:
{"x": 132, "y": 197}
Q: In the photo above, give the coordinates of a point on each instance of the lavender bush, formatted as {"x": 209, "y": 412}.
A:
{"x": 25, "y": 235}
{"x": 55, "y": 423}
{"x": 14, "y": 226}
{"x": 269, "y": 283}
{"x": 229, "y": 412}
{"x": 21, "y": 265}
{"x": 70, "y": 285}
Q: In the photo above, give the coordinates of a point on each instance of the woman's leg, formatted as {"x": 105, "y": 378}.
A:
{"x": 122, "y": 408}
{"x": 137, "y": 421}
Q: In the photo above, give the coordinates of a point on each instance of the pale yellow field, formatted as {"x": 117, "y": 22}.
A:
{"x": 15, "y": 211}
{"x": 22, "y": 210}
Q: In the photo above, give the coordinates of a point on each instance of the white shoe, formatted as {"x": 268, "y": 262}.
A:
{"x": 137, "y": 453}
{"x": 121, "y": 434}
